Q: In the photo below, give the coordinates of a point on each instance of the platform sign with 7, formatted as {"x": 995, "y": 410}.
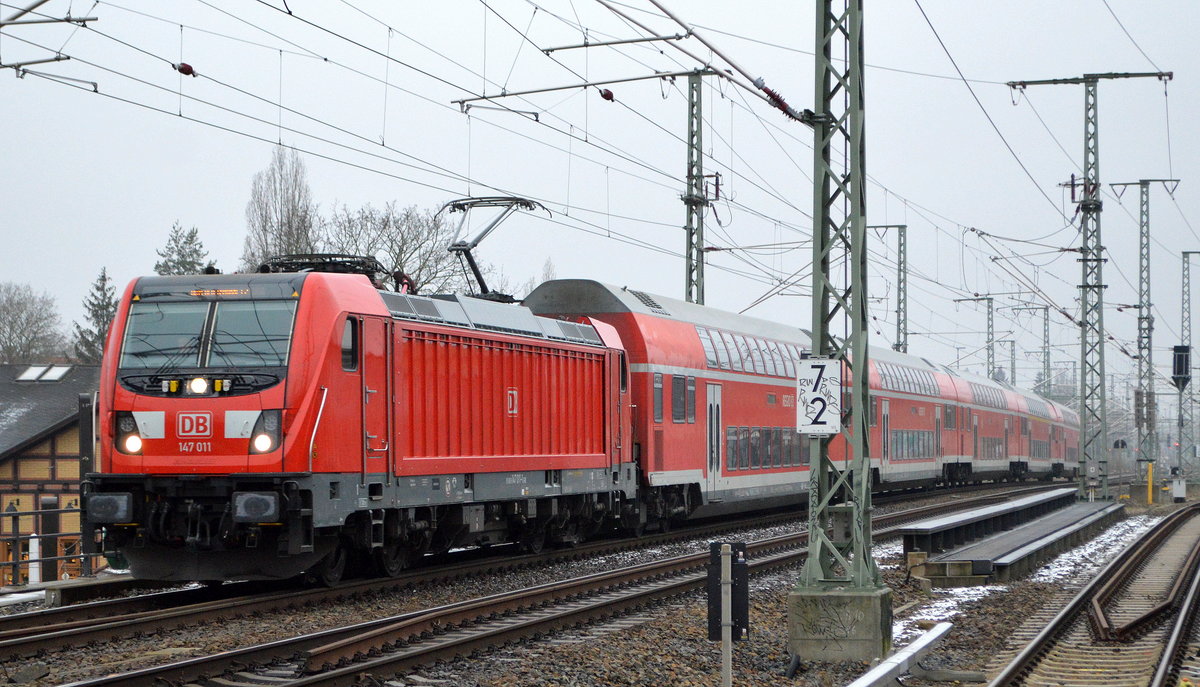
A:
{"x": 819, "y": 396}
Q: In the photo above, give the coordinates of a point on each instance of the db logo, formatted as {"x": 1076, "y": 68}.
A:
{"x": 193, "y": 424}
{"x": 511, "y": 396}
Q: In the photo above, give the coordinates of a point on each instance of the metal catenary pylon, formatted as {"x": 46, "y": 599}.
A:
{"x": 695, "y": 198}
{"x": 991, "y": 331}
{"x": 839, "y": 235}
{"x": 1093, "y": 430}
{"x": 901, "y": 343}
{"x": 1042, "y": 387}
{"x": 1147, "y": 410}
{"x": 1186, "y": 416}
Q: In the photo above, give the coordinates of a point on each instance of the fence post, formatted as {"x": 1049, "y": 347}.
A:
{"x": 87, "y": 462}
{"x": 15, "y": 548}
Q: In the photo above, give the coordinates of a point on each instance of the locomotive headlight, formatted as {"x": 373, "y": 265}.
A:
{"x": 198, "y": 386}
{"x": 133, "y": 444}
{"x": 256, "y": 506}
{"x": 116, "y": 507}
{"x": 128, "y": 439}
{"x": 263, "y": 443}
{"x": 266, "y": 435}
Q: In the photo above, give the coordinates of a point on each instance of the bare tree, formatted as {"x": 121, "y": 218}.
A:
{"x": 281, "y": 216}
{"x": 410, "y": 240}
{"x": 30, "y": 327}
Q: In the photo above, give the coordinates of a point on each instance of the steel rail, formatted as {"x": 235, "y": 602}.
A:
{"x": 27, "y": 633}
{"x": 1165, "y": 675}
{"x": 1145, "y": 550}
{"x": 1045, "y": 640}
{"x": 200, "y": 667}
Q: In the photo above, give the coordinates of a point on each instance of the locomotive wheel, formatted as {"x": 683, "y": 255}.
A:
{"x": 391, "y": 559}
{"x": 333, "y": 566}
{"x": 533, "y": 541}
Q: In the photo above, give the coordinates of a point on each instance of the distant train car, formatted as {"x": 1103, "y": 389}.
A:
{"x": 258, "y": 426}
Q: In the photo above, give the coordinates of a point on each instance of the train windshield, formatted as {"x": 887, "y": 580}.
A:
{"x": 163, "y": 335}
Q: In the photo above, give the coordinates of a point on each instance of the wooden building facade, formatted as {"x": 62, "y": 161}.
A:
{"x": 40, "y": 465}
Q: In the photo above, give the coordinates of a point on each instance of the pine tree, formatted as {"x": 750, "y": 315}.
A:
{"x": 101, "y": 307}
{"x": 183, "y": 254}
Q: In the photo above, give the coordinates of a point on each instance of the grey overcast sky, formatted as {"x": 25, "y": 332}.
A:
{"x": 364, "y": 90}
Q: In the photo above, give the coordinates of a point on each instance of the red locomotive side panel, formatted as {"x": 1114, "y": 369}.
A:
{"x": 471, "y": 404}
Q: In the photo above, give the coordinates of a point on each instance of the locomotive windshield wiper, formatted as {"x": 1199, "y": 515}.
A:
{"x": 218, "y": 349}
{"x": 174, "y": 354}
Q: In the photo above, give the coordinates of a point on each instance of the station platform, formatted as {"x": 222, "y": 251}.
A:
{"x": 1003, "y": 542}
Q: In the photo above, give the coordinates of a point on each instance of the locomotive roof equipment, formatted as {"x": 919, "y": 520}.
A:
{"x": 510, "y": 204}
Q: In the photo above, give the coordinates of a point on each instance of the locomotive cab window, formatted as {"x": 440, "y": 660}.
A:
{"x": 223, "y": 334}
{"x": 350, "y": 345}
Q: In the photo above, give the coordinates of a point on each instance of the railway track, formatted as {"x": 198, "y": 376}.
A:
{"x": 1113, "y": 633}
{"x": 25, "y": 634}
{"x": 390, "y": 645}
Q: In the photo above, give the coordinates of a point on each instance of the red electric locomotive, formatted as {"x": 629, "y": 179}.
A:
{"x": 259, "y": 426}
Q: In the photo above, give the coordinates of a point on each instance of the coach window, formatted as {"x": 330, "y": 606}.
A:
{"x": 764, "y": 352}
{"x": 756, "y": 448}
{"x": 950, "y": 416}
{"x": 350, "y": 345}
{"x": 735, "y": 358}
{"x": 678, "y": 402}
{"x": 778, "y": 448}
{"x": 755, "y": 346}
{"x": 658, "y": 397}
{"x": 722, "y": 351}
{"x": 691, "y": 400}
{"x": 873, "y": 411}
{"x": 744, "y": 448}
{"x": 710, "y": 351}
{"x": 731, "y": 448}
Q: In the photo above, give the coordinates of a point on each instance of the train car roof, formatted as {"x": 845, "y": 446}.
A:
{"x": 586, "y": 296}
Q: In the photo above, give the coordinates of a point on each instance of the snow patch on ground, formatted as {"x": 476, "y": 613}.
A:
{"x": 944, "y": 606}
{"x": 892, "y": 548}
{"x": 1084, "y": 561}
{"x": 1075, "y": 565}
{"x": 22, "y": 597}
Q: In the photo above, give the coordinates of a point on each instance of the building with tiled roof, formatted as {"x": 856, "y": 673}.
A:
{"x": 39, "y": 461}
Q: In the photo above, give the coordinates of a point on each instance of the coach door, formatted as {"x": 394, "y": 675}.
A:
{"x": 376, "y": 394}
{"x": 716, "y": 438}
{"x": 937, "y": 431}
{"x": 885, "y": 429}
{"x": 974, "y": 436}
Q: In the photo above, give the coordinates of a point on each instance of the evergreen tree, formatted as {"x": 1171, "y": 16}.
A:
{"x": 101, "y": 307}
{"x": 183, "y": 254}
